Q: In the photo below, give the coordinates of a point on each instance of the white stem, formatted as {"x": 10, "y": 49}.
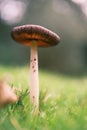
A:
{"x": 34, "y": 81}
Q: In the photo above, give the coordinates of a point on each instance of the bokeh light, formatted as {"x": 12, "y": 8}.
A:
{"x": 82, "y": 4}
{"x": 12, "y": 11}
{"x": 79, "y": 1}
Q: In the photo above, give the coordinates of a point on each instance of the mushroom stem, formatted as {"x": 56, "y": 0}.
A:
{"x": 34, "y": 81}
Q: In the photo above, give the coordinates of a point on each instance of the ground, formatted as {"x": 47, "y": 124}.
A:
{"x": 63, "y": 102}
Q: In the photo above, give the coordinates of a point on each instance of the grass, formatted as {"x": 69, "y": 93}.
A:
{"x": 63, "y": 102}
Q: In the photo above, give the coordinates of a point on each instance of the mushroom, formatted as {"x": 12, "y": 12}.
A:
{"x": 34, "y": 36}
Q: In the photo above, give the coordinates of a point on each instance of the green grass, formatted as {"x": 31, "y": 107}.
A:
{"x": 63, "y": 102}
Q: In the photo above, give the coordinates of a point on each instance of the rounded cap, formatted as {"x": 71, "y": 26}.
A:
{"x": 29, "y": 34}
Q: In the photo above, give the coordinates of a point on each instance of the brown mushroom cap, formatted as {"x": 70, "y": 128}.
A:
{"x": 29, "y": 34}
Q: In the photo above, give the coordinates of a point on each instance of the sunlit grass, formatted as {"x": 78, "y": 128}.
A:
{"x": 63, "y": 102}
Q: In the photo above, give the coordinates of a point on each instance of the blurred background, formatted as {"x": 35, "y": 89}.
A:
{"x": 68, "y": 18}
